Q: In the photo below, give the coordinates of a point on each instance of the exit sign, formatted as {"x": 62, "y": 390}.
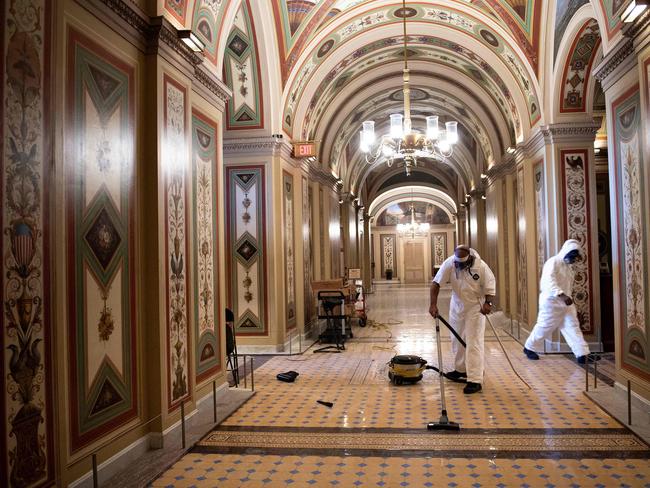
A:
{"x": 304, "y": 149}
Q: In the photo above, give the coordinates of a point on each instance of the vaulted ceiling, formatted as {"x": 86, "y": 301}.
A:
{"x": 315, "y": 69}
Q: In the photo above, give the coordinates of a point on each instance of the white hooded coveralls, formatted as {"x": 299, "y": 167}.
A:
{"x": 557, "y": 279}
{"x": 469, "y": 288}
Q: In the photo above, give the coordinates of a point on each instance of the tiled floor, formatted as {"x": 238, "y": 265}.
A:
{"x": 375, "y": 433}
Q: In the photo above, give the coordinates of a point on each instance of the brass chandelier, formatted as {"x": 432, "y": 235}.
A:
{"x": 413, "y": 228}
{"x": 402, "y": 142}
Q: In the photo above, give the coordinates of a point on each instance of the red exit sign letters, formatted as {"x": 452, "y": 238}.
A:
{"x": 304, "y": 149}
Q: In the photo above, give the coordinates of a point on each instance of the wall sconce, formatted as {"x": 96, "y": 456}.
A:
{"x": 191, "y": 40}
{"x": 483, "y": 197}
{"x": 484, "y": 176}
{"x": 510, "y": 150}
{"x": 633, "y": 10}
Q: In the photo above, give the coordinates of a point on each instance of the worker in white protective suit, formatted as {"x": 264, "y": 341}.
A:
{"x": 556, "y": 308}
{"x": 473, "y": 289}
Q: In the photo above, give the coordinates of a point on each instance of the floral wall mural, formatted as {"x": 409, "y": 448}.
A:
{"x": 577, "y": 218}
{"x": 522, "y": 277}
{"x": 175, "y": 162}
{"x": 289, "y": 250}
{"x": 632, "y": 213}
{"x": 207, "y": 309}
{"x": 540, "y": 216}
{"x": 26, "y": 426}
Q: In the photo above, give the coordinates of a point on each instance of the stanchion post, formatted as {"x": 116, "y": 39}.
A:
{"x": 629, "y": 403}
{"x": 595, "y": 374}
{"x": 252, "y": 375}
{"x": 183, "y": 423}
{"x": 95, "y": 480}
{"x": 214, "y": 400}
{"x": 587, "y": 374}
{"x": 299, "y": 342}
{"x": 245, "y": 379}
{"x": 290, "y": 341}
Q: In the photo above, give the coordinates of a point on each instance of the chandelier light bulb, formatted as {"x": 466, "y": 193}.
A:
{"x": 444, "y": 145}
{"x": 451, "y": 128}
{"x": 396, "y": 129}
{"x": 363, "y": 145}
{"x": 433, "y": 131}
{"x": 388, "y": 151}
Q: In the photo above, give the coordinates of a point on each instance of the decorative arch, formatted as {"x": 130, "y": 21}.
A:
{"x": 577, "y": 68}
{"x": 405, "y": 193}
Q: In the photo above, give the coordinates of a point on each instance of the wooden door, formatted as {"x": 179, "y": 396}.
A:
{"x": 414, "y": 262}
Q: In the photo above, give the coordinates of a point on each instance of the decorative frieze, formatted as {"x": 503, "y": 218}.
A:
{"x": 570, "y": 132}
{"x": 619, "y": 61}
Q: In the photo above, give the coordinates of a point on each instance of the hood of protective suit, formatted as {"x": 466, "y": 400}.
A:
{"x": 568, "y": 246}
{"x": 474, "y": 254}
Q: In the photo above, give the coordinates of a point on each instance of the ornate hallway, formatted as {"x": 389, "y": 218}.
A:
{"x": 375, "y": 434}
{"x": 180, "y": 179}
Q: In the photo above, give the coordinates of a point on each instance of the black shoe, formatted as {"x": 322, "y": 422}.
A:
{"x": 531, "y": 354}
{"x": 472, "y": 388}
{"x": 592, "y": 358}
{"x": 456, "y": 375}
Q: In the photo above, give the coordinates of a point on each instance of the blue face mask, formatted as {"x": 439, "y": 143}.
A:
{"x": 571, "y": 257}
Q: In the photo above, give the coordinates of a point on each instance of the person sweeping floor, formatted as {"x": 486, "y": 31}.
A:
{"x": 471, "y": 280}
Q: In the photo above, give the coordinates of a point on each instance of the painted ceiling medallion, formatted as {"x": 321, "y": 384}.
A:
{"x": 103, "y": 239}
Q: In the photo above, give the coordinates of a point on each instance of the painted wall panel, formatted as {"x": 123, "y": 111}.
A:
{"x": 245, "y": 110}
{"x": 522, "y": 277}
{"x": 175, "y": 161}
{"x": 540, "y": 216}
{"x": 632, "y": 214}
{"x": 308, "y": 248}
{"x": 289, "y": 249}
{"x": 26, "y": 420}
{"x": 208, "y": 312}
{"x": 577, "y": 225}
{"x": 246, "y": 248}
{"x": 439, "y": 248}
{"x": 388, "y": 254}
{"x": 101, "y": 238}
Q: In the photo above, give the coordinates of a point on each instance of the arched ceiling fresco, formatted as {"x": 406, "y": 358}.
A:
{"x": 330, "y": 64}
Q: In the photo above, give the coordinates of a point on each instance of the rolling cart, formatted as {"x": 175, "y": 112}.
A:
{"x": 331, "y": 308}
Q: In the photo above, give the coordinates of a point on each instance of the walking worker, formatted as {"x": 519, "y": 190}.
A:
{"x": 473, "y": 289}
{"x": 556, "y": 308}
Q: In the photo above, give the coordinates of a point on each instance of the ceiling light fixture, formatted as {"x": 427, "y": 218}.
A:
{"x": 192, "y": 41}
{"x": 402, "y": 142}
{"x": 413, "y": 228}
{"x": 633, "y": 10}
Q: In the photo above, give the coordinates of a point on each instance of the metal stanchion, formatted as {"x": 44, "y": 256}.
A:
{"x": 252, "y": 375}
{"x": 214, "y": 400}
{"x": 595, "y": 374}
{"x": 95, "y": 478}
{"x": 629, "y": 403}
{"x": 300, "y": 343}
{"x": 290, "y": 341}
{"x": 587, "y": 374}
{"x": 245, "y": 379}
{"x": 183, "y": 423}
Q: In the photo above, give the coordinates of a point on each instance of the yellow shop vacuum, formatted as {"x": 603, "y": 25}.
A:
{"x": 406, "y": 369}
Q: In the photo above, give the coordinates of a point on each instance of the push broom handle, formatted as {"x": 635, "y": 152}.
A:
{"x": 442, "y": 381}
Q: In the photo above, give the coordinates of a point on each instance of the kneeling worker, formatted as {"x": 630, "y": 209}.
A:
{"x": 556, "y": 308}
{"x": 471, "y": 282}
